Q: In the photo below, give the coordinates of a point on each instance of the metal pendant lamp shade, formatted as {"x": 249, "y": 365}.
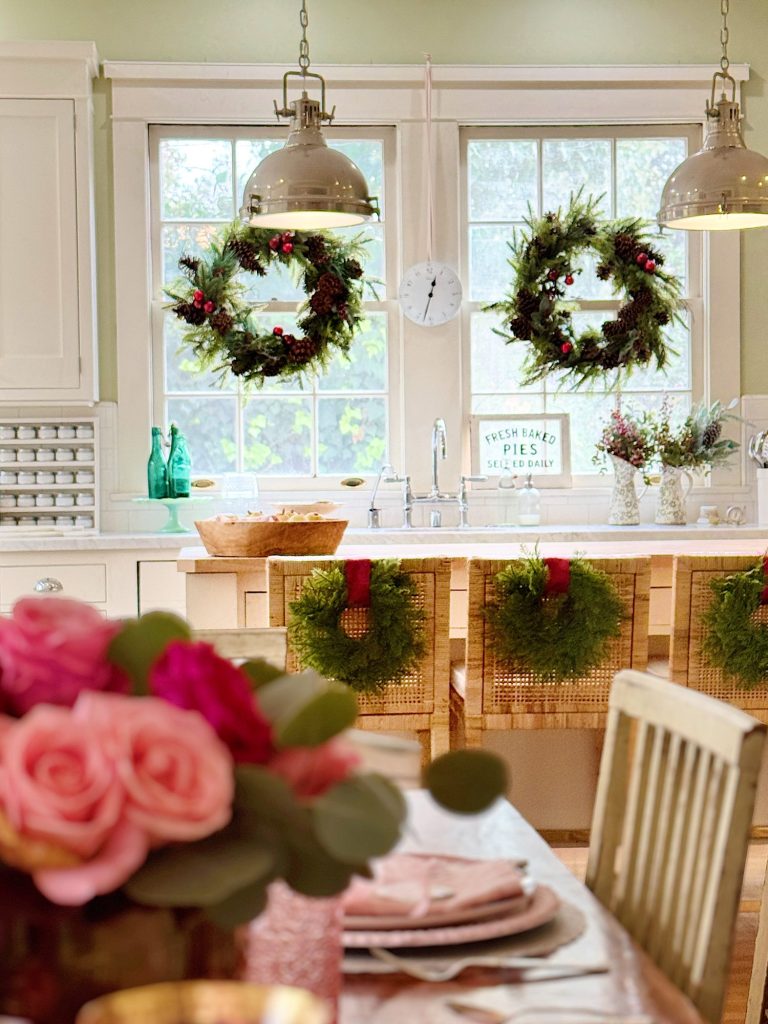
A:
{"x": 722, "y": 187}
{"x": 306, "y": 184}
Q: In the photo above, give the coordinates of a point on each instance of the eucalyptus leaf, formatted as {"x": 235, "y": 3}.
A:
{"x": 260, "y": 672}
{"x": 307, "y": 710}
{"x": 140, "y": 643}
{"x": 466, "y": 781}
{"x": 357, "y": 819}
{"x": 241, "y": 907}
{"x": 201, "y": 874}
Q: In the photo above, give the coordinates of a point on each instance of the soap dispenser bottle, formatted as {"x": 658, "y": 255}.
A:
{"x": 508, "y": 497}
{"x": 529, "y": 504}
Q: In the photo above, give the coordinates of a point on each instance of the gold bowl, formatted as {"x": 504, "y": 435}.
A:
{"x": 206, "y": 1002}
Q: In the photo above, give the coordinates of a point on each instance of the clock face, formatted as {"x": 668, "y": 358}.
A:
{"x": 430, "y": 294}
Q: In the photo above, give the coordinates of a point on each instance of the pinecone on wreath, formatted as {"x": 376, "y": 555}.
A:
{"x": 190, "y": 313}
{"x": 625, "y": 247}
{"x": 247, "y": 255}
{"x": 300, "y": 350}
{"x": 661, "y": 318}
{"x": 317, "y": 251}
{"x": 330, "y": 284}
{"x": 612, "y": 328}
{"x": 521, "y": 327}
{"x": 353, "y": 269}
{"x": 603, "y": 272}
{"x": 527, "y": 303}
{"x": 190, "y": 263}
{"x": 321, "y": 302}
{"x": 222, "y": 322}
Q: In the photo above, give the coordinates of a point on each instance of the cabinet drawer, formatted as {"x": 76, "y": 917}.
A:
{"x": 85, "y": 582}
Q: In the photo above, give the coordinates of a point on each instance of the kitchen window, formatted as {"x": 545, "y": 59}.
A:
{"x": 335, "y": 425}
{"x": 511, "y": 172}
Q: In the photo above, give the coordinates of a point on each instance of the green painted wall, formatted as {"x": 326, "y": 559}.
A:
{"x": 400, "y": 31}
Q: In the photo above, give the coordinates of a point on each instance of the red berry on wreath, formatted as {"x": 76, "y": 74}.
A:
{"x": 198, "y": 296}
{"x": 274, "y": 243}
{"x": 287, "y": 236}
{"x": 641, "y": 258}
{"x": 197, "y": 304}
{"x": 277, "y": 330}
{"x": 553, "y": 275}
{"x": 650, "y": 266}
{"x": 569, "y": 278}
{"x": 566, "y": 347}
{"x": 287, "y": 248}
{"x": 209, "y": 307}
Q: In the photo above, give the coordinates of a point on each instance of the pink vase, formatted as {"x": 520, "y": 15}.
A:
{"x": 296, "y": 941}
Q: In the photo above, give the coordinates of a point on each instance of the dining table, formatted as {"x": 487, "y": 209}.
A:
{"x": 632, "y": 988}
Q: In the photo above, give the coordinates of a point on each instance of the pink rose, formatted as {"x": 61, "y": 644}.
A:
{"x": 177, "y": 775}
{"x": 309, "y": 771}
{"x": 57, "y": 782}
{"x": 51, "y": 648}
{"x": 193, "y": 676}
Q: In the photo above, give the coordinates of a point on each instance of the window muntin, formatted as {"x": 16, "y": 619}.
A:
{"x": 336, "y": 425}
{"x": 511, "y": 171}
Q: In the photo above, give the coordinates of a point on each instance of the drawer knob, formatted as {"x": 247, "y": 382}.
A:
{"x": 48, "y": 585}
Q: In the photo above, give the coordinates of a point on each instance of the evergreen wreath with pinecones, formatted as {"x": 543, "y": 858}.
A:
{"x": 539, "y": 313}
{"x": 223, "y": 330}
{"x": 735, "y": 640}
{"x": 554, "y": 617}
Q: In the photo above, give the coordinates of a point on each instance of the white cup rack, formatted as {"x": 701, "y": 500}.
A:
{"x": 29, "y": 498}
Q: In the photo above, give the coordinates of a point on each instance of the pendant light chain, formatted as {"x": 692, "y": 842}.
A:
{"x": 724, "y": 35}
{"x": 430, "y": 186}
{"x": 304, "y": 44}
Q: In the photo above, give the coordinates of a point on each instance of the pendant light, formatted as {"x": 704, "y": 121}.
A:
{"x": 306, "y": 185}
{"x": 725, "y": 185}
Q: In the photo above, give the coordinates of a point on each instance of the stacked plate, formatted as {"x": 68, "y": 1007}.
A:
{"x": 430, "y": 900}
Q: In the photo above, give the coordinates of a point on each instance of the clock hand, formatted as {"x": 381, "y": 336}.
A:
{"x": 429, "y": 297}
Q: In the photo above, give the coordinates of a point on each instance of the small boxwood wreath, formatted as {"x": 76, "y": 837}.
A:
{"x": 537, "y": 312}
{"x": 395, "y": 639}
{"x": 555, "y": 633}
{"x": 734, "y": 640}
{"x": 222, "y": 328}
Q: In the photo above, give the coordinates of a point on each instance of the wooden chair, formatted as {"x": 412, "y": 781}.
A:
{"x": 241, "y": 644}
{"x": 671, "y": 826}
{"x": 757, "y": 1003}
{"x": 691, "y": 596}
{"x": 491, "y": 694}
{"x": 419, "y": 701}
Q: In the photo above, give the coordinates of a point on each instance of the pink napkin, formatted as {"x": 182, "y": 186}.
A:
{"x": 419, "y": 884}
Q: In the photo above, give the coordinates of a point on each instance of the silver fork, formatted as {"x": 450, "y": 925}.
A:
{"x": 455, "y": 967}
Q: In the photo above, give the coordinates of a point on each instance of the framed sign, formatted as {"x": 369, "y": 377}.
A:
{"x": 538, "y": 444}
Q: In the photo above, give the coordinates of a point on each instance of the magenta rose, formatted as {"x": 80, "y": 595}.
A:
{"x": 51, "y": 649}
{"x": 193, "y": 676}
{"x": 57, "y": 781}
{"x": 178, "y": 777}
{"x": 309, "y": 771}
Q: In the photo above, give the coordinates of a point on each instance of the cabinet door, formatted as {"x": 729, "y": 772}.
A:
{"x": 39, "y": 315}
{"x": 161, "y": 588}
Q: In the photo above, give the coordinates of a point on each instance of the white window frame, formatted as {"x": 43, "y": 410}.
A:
{"x": 384, "y": 304}
{"x": 431, "y": 368}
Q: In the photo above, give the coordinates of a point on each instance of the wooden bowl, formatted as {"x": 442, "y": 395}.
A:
{"x": 241, "y": 539}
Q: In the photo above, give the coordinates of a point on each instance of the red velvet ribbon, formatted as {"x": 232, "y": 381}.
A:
{"x": 764, "y": 591}
{"x": 559, "y": 575}
{"x": 358, "y": 575}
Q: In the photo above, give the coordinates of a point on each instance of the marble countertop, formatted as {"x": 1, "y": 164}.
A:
{"x": 663, "y": 538}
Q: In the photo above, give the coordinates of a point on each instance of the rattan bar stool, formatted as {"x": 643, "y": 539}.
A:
{"x": 416, "y": 702}
{"x": 488, "y": 694}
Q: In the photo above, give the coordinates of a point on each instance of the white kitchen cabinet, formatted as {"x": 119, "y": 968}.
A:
{"x": 162, "y": 588}
{"x": 47, "y": 271}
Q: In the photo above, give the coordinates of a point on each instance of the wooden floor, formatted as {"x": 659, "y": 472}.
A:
{"x": 746, "y": 926}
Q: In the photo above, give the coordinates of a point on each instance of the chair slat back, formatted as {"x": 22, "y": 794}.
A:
{"x": 423, "y": 689}
{"x": 494, "y": 687}
{"x": 671, "y": 826}
{"x": 269, "y": 645}
{"x": 691, "y": 596}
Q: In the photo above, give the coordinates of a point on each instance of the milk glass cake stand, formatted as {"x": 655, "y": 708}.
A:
{"x": 173, "y": 505}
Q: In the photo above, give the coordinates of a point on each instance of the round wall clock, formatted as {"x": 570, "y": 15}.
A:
{"x": 430, "y": 293}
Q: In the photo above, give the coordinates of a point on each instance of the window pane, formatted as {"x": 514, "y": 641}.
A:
{"x": 209, "y": 426}
{"x": 277, "y": 436}
{"x": 642, "y": 169}
{"x": 366, "y": 367}
{"x": 490, "y": 275}
{"x": 353, "y": 434}
{"x": 569, "y": 163}
{"x": 184, "y": 240}
{"x": 587, "y": 413}
{"x": 496, "y": 365}
{"x": 677, "y": 375}
{"x": 501, "y": 178}
{"x": 182, "y": 370}
{"x": 196, "y": 179}
{"x": 508, "y": 403}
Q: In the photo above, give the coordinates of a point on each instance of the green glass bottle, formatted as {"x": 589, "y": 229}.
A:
{"x": 157, "y": 470}
{"x": 179, "y": 465}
